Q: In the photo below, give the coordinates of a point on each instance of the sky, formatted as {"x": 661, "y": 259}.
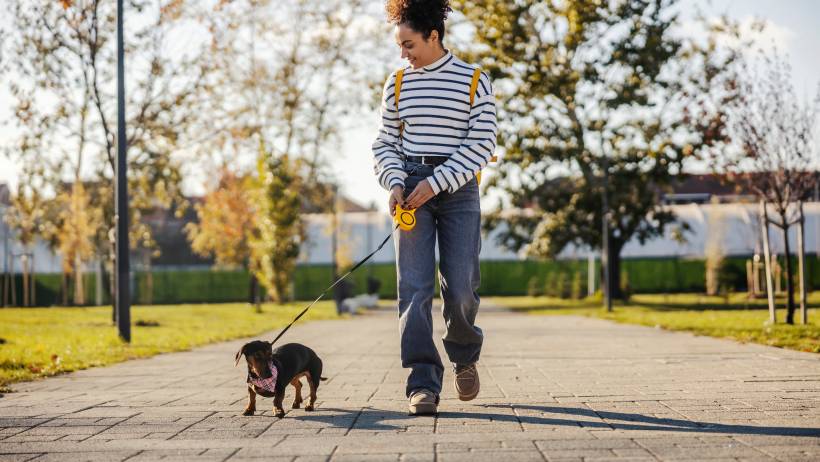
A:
{"x": 791, "y": 24}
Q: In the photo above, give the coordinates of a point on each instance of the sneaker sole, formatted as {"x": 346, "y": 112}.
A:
{"x": 424, "y": 409}
{"x": 468, "y": 397}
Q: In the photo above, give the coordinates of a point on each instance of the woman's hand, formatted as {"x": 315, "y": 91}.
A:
{"x": 420, "y": 195}
{"x": 396, "y": 197}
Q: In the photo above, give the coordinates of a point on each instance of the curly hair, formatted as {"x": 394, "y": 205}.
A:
{"x": 423, "y": 16}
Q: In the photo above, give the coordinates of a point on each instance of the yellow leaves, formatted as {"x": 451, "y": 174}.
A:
{"x": 75, "y": 226}
{"x": 66, "y": 4}
{"x": 221, "y": 4}
{"x": 172, "y": 10}
{"x": 573, "y": 21}
{"x": 225, "y": 222}
{"x": 278, "y": 231}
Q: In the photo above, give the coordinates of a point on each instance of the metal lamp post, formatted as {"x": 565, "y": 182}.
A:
{"x": 123, "y": 298}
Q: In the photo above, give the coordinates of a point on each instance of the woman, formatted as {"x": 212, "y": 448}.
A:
{"x": 432, "y": 143}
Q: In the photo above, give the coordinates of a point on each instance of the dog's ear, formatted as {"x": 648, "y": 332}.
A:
{"x": 269, "y": 350}
{"x": 239, "y": 355}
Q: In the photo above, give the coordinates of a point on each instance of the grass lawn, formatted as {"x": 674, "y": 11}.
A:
{"x": 45, "y": 341}
{"x": 736, "y": 318}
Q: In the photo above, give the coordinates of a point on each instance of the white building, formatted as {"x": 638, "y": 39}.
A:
{"x": 733, "y": 227}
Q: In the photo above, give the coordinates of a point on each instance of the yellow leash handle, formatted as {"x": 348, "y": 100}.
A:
{"x": 406, "y": 219}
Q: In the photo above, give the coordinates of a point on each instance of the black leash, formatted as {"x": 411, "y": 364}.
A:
{"x": 355, "y": 267}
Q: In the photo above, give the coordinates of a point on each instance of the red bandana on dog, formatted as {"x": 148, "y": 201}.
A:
{"x": 268, "y": 384}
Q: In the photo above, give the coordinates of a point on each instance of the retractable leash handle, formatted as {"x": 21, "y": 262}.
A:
{"x": 405, "y": 219}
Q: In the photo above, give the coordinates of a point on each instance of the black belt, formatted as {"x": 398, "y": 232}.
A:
{"x": 427, "y": 160}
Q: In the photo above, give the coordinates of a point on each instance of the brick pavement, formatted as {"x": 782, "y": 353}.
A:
{"x": 553, "y": 388}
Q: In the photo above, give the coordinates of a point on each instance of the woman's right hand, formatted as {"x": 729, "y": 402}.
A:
{"x": 396, "y": 197}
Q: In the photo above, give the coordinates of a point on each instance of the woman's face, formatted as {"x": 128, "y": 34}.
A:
{"x": 415, "y": 49}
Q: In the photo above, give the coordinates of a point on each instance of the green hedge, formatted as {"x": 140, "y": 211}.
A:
{"x": 48, "y": 289}
{"x": 191, "y": 287}
{"x": 564, "y": 278}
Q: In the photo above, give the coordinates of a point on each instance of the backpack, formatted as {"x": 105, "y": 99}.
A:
{"x": 473, "y": 87}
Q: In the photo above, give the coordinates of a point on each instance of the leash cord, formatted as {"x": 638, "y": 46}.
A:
{"x": 355, "y": 267}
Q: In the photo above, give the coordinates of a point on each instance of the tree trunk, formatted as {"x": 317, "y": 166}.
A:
{"x": 254, "y": 295}
{"x": 79, "y": 287}
{"x": 148, "y": 299}
{"x": 64, "y": 288}
{"x": 13, "y": 285}
{"x": 591, "y": 274}
{"x": 98, "y": 285}
{"x": 6, "y": 288}
{"x": 280, "y": 291}
{"x": 767, "y": 261}
{"x": 615, "y": 270}
{"x": 33, "y": 282}
{"x": 789, "y": 278}
{"x": 614, "y": 265}
{"x": 112, "y": 285}
{"x": 24, "y": 261}
{"x": 801, "y": 265}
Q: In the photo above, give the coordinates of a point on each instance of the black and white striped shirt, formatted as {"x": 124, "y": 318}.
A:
{"x": 434, "y": 105}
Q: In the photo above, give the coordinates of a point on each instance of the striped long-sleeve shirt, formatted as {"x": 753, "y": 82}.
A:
{"x": 434, "y": 105}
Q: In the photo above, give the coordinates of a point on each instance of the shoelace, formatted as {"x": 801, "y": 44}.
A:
{"x": 465, "y": 371}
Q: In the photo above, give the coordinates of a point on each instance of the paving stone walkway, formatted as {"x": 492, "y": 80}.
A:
{"x": 553, "y": 388}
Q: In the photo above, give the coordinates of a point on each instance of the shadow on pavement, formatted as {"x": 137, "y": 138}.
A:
{"x": 379, "y": 419}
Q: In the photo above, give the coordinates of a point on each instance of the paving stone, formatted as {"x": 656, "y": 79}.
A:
{"x": 507, "y": 456}
{"x": 79, "y": 456}
{"x": 17, "y": 457}
{"x": 629, "y": 394}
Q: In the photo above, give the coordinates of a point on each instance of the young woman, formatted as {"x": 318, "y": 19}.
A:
{"x": 430, "y": 146}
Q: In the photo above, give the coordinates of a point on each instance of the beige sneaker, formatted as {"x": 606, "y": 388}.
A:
{"x": 466, "y": 382}
{"x": 423, "y": 402}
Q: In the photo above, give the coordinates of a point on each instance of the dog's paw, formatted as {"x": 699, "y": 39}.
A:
{"x": 279, "y": 413}
{"x": 309, "y": 408}
{"x": 248, "y": 411}
{"x": 296, "y": 405}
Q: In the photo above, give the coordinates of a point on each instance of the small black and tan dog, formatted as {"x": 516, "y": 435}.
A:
{"x": 271, "y": 370}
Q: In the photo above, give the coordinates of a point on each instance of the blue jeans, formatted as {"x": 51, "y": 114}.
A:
{"x": 455, "y": 219}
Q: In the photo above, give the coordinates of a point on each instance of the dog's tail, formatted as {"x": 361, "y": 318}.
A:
{"x": 322, "y": 378}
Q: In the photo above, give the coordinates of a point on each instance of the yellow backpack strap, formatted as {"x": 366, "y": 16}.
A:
{"x": 473, "y": 88}
{"x": 474, "y": 85}
{"x": 396, "y": 94}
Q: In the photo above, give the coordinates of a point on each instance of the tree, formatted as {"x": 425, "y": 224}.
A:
{"x": 254, "y": 222}
{"x": 78, "y": 222}
{"x": 27, "y": 217}
{"x": 60, "y": 72}
{"x": 775, "y": 152}
{"x": 288, "y": 72}
{"x": 715, "y": 251}
{"x": 226, "y": 224}
{"x": 278, "y": 232}
{"x": 595, "y": 93}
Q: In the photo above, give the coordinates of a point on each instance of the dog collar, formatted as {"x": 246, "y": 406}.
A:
{"x": 268, "y": 384}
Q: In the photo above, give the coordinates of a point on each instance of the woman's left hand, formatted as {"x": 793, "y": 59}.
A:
{"x": 420, "y": 195}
